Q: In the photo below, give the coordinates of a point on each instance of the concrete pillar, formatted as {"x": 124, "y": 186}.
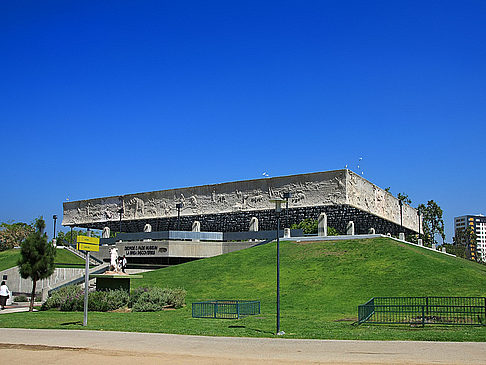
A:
{"x": 196, "y": 227}
{"x": 322, "y": 225}
{"x": 434, "y": 246}
{"x": 371, "y": 231}
{"x": 45, "y": 294}
{"x": 286, "y": 232}
{"x": 401, "y": 236}
{"x": 444, "y": 249}
{"x": 253, "y": 224}
{"x": 420, "y": 242}
{"x": 350, "y": 228}
{"x": 106, "y": 232}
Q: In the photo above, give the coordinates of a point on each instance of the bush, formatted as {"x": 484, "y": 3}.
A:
{"x": 71, "y": 298}
{"x": 104, "y": 301}
{"x": 135, "y": 295}
{"x": 59, "y": 298}
{"x": 21, "y": 298}
{"x": 156, "y": 299}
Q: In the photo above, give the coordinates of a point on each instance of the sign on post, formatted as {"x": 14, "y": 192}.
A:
{"x": 85, "y": 243}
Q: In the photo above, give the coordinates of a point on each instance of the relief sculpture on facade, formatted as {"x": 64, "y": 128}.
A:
{"x": 318, "y": 189}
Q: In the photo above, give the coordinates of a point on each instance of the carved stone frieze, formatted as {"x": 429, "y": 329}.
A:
{"x": 308, "y": 190}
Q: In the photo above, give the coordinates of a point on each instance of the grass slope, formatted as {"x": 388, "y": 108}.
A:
{"x": 9, "y": 259}
{"x": 64, "y": 258}
{"x": 322, "y": 284}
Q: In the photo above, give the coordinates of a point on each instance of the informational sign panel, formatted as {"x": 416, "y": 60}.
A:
{"x": 85, "y": 243}
{"x": 88, "y": 247}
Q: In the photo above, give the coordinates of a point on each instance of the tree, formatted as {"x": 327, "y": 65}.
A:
{"x": 36, "y": 257}
{"x": 467, "y": 237}
{"x": 432, "y": 222}
{"x": 309, "y": 226}
{"x": 12, "y": 234}
{"x": 404, "y": 198}
{"x": 65, "y": 239}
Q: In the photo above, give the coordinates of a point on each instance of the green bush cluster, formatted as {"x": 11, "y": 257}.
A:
{"x": 156, "y": 299}
{"x": 59, "y": 298}
{"x": 71, "y": 298}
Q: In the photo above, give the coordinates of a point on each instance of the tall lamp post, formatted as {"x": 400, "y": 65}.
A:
{"x": 401, "y": 219}
{"x": 419, "y": 214}
{"x": 287, "y": 196}
{"x": 278, "y": 208}
{"x": 179, "y": 207}
{"x": 120, "y": 211}
{"x": 54, "y": 235}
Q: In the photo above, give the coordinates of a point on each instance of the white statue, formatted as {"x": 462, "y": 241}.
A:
{"x": 114, "y": 259}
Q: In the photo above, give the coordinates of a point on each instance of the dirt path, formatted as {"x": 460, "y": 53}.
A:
{"x": 64, "y": 346}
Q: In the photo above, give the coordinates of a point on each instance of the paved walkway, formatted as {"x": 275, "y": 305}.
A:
{"x": 16, "y": 308}
{"x": 66, "y": 346}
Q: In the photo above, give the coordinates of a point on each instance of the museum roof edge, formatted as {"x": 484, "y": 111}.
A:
{"x": 218, "y": 184}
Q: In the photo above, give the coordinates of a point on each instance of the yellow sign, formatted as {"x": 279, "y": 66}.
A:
{"x": 90, "y": 240}
{"x": 88, "y": 247}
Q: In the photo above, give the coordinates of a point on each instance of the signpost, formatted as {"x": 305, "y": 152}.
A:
{"x": 87, "y": 244}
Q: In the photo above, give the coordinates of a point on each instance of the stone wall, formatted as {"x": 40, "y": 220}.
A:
{"x": 18, "y": 285}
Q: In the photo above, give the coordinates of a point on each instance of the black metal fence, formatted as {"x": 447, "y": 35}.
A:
{"x": 424, "y": 310}
{"x": 225, "y": 308}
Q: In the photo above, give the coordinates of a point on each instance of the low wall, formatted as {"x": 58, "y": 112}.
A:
{"x": 18, "y": 285}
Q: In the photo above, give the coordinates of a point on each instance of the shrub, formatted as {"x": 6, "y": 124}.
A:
{"x": 71, "y": 298}
{"x": 21, "y": 298}
{"x": 59, "y": 297}
{"x": 135, "y": 295}
{"x": 155, "y": 299}
{"x": 104, "y": 301}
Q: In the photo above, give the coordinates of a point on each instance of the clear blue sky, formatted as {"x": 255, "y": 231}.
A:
{"x": 104, "y": 98}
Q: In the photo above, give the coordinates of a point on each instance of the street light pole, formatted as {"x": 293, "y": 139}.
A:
{"x": 120, "y": 211}
{"x": 419, "y": 213}
{"x": 54, "y": 235}
{"x": 401, "y": 219}
{"x": 178, "y": 206}
{"x": 287, "y": 196}
{"x": 278, "y": 208}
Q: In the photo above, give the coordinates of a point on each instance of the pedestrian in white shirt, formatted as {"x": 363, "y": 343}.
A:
{"x": 4, "y": 295}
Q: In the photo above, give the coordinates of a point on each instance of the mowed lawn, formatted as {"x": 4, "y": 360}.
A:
{"x": 322, "y": 284}
{"x": 64, "y": 258}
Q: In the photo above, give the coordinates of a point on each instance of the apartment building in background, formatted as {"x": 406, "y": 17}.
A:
{"x": 478, "y": 224}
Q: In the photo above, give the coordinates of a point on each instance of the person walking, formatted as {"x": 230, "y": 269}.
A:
{"x": 124, "y": 263}
{"x": 4, "y": 295}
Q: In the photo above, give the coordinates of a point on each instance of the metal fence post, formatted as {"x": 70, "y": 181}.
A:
{"x": 215, "y": 308}
{"x": 423, "y": 317}
{"x": 427, "y": 303}
{"x": 484, "y": 310}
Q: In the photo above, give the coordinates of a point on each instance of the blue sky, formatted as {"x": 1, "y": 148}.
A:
{"x": 113, "y": 97}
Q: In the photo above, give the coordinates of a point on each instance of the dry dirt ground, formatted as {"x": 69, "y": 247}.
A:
{"x": 88, "y": 347}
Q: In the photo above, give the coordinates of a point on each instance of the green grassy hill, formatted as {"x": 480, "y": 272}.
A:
{"x": 330, "y": 278}
{"x": 64, "y": 258}
{"x": 322, "y": 283}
